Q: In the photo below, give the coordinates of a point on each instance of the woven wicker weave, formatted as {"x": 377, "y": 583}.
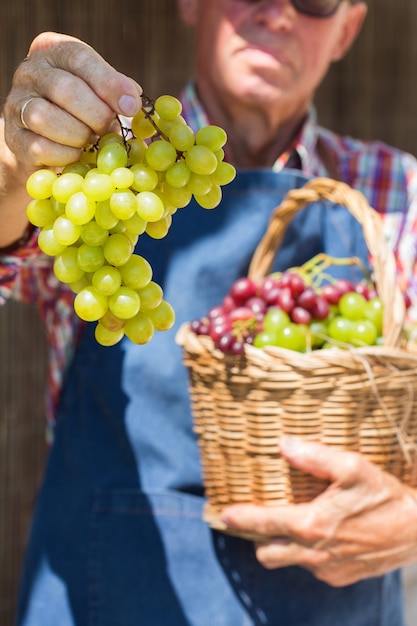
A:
{"x": 360, "y": 399}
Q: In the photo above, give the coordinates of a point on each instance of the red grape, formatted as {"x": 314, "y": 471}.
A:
{"x": 296, "y": 284}
{"x": 243, "y": 289}
{"x": 321, "y": 308}
{"x": 300, "y": 315}
{"x": 286, "y": 300}
{"x": 307, "y": 299}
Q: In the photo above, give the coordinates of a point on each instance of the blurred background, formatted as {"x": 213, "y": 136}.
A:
{"x": 371, "y": 94}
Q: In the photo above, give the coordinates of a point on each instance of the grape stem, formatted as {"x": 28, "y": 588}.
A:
{"x": 315, "y": 267}
{"x": 148, "y": 108}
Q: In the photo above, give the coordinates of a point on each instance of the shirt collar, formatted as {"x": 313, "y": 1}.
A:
{"x": 299, "y": 153}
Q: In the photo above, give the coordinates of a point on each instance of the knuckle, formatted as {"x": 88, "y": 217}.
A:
{"x": 312, "y": 527}
{"x": 354, "y": 466}
{"x": 80, "y": 57}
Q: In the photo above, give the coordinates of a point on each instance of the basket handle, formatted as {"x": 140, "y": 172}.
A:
{"x": 383, "y": 258}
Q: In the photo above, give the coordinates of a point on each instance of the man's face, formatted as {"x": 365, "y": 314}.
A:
{"x": 263, "y": 53}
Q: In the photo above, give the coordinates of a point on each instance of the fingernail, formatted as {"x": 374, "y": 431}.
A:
{"x": 128, "y": 105}
{"x": 225, "y": 518}
{"x": 290, "y": 443}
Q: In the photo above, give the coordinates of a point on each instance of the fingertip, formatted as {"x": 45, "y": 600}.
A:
{"x": 130, "y": 102}
{"x": 290, "y": 445}
{"x": 128, "y": 105}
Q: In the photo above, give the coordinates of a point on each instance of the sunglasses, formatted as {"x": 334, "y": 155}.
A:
{"x": 319, "y": 8}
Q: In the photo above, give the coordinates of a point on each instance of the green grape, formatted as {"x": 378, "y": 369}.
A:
{"x": 66, "y": 186}
{"x": 93, "y": 234}
{"x": 80, "y": 209}
{"x": 275, "y": 319}
{"x": 122, "y": 177}
{"x": 109, "y": 138}
{"x": 150, "y": 296}
{"x": 40, "y": 212}
{"x": 223, "y": 174}
{"x": 65, "y": 231}
{"x": 39, "y": 184}
{"x": 319, "y": 332}
{"x": 211, "y": 199}
{"x": 47, "y": 242}
{"x": 111, "y": 322}
{"x": 90, "y": 305}
{"x": 139, "y": 329}
{"x": 120, "y": 228}
{"x": 142, "y": 127}
{"x": 161, "y": 155}
{"x": 123, "y": 203}
{"x": 98, "y": 186}
{"x": 107, "y": 337}
{"x": 182, "y": 137}
{"x": 76, "y": 168}
{"x": 199, "y": 184}
{"x": 149, "y": 206}
{"x": 211, "y": 136}
{"x": 117, "y": 249}
{"x": 352, "y": 305}
{"x": 136, "y": 150}
{"x": 104, "y": 216}
{"x": 165, "y": 126}
{"x": 339, "y": 329}
{"x": 201, "y": 160}
{"x": 265, "y": 338}
{"x": 89, "y": 156}
{"x": 162, "y": 316}
{"x": 292, "y": 337}
{"x": 124, "y": 303}
{"x": 178, "y": 175}
{"x": 219, "y": 155}
{"x": 179, "y": 197}
{"x": 161, "y": 195}
{"x": 159, "y": 229}
{"x": 168, "y": 107}
{"x": 66, "y": 267}
{"x": 132, "y": 237}
{"x": 374, "y": 311}
{"x": 90, "y": 258}
{"x": 77, "y": 285}
{"x": 135, "y": 224}
{"x": 136, "y": 272}
{"x": 107, "y": 280}
{"x": 110, "y": 157}
{"x": 58, "y": 207}
{"x": 144, "y": 177}
{"x": 362, "y": 333}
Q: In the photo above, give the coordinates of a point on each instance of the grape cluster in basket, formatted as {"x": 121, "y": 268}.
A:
{"x": 92, "y": 214}
{"x": 295, "y": 310}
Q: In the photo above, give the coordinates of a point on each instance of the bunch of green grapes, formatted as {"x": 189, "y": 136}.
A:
{"x": 91, "y": 214}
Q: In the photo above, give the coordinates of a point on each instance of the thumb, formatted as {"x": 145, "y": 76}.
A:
{"x": 325, "y": 462}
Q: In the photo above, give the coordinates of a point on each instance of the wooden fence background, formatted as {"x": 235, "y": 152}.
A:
{"x": 370, "y": 94}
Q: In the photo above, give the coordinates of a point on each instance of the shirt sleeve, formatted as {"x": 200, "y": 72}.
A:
{"x": 23, "y": 267}
{"x": 406, "y": 250}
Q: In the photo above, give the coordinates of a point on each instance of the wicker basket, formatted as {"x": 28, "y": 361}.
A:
{"x": 360, "y": 399}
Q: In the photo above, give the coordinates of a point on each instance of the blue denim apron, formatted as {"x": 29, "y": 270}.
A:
{"x": 117, "y": 536}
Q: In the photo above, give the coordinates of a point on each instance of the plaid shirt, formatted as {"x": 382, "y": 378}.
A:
{"x": 387, "y": 177}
